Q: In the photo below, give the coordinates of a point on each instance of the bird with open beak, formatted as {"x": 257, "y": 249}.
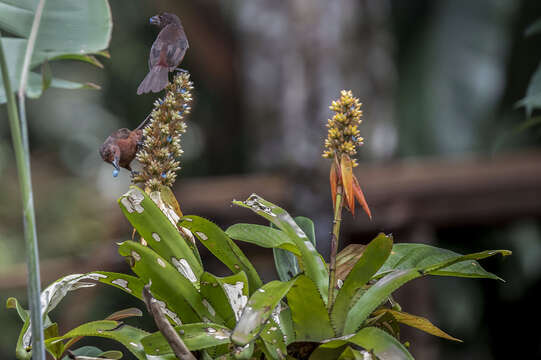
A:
{"x": 120, "y": 148}
{"x": 166, "y": 53}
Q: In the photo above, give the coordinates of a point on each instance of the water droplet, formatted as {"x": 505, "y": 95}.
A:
{"x": 115, "y": 172}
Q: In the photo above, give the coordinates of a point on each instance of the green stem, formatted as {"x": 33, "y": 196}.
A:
{"x": 22, "y": 158}
{"x": 334, "y": 242}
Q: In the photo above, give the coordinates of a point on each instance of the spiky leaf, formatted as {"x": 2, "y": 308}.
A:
{"x": 409, "y": 256}
{"x": 227, "y": 295}
{"x": 221, "y": 246}
{"x": 167, "y": 283}
{"x": 158, "y": 231}
{"x": 314, "y": 266}
{"x": 310, "y": 317}
{"x": 258, "y": 310}
{"x": 195, "y": 336}
{"x": 381, "y": 344}
{"x": 373, "y": 257}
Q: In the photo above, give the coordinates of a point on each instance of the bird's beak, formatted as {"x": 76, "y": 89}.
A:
{"x": 115, "y": 163}
{"x": 155, "y": 20}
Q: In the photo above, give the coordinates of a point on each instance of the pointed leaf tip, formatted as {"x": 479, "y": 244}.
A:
{"x": 360, "y": 197}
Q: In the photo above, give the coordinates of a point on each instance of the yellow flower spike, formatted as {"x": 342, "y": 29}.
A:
{"x": 341, "y": 145}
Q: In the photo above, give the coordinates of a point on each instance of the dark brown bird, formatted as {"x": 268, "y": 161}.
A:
{"x": 166, "y": 53}
{"x": 120, "y": 147}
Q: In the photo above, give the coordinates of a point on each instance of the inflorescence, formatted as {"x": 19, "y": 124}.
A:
{"x": 161, "y": 148}
{"x": 343, "y": 136}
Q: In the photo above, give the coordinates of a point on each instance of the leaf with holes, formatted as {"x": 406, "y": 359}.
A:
{"x": 310, "y": 317}
{"x": 258, "y": 310}
{"x": 159, "y": 232}
{"x": 273, "y": 340}
{"x": 314, "y": 267}
{"x": 167, "y": 283}
{"x": 373, "y": 257}
{"x": 221, "y": 246}
{"x": 227, "y": 295}
{"x": 196, "y": 336}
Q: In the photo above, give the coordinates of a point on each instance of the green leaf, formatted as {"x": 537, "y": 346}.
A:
{"x": 127, "y": 283}
{"x": 285, "y": 321}
{"x": 258, "y": 310}
{"x": 263, "y": 236}
{"x": 195, "y": 336}
{"x": 287, "y": 264}
{"x": 90, "y": 351}
{"x": 532, "y": 100}
{"x": 167, "y": 283}
{"x": 128, "y": 336}
{"x": 13, "y": 303}
{"x": 373, "y": 257}
{"x": 421, "y": 256}
{"x": 46, "y": 75}
{"x": 374, "y": 296}
{"x": 444, "y": 265}
{"x": 417, "y": 322}
{"x": 310, "y": 317}
{"x": 66, "y": 28}
{"x": 112, "y": 354}
{"x": 160, "y": 234}
{"x": 244, "y": 352}
{"x": 227, "y": 295}
{"x": 314, "y": 266}
{"x": 273, "y": 340}
{"x": 55, "y": 349}
{"x": 329, "y": 350}
{"x": 383, "y": 345}
{"x": 351, "y": 354}
{"x": 221, "y": 246}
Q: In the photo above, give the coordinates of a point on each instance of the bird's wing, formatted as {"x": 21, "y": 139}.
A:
{"x": 169, "y": 48}
{"x": 121, "y": 133}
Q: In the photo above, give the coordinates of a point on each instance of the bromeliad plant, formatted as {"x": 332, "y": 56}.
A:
{"x": 343, "y": 310}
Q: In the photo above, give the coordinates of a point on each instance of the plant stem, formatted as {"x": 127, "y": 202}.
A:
{"x": 334, "y": 242}
{"x": 22, "y": 158}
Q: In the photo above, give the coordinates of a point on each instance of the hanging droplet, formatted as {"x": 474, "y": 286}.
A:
{"x": 115, "y": 172}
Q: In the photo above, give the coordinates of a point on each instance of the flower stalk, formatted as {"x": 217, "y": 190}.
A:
{"x": 334, "y": 242}
{"x": 342, "y": 142}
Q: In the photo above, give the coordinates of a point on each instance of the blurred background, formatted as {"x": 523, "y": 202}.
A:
{"x": 448, "y": 159}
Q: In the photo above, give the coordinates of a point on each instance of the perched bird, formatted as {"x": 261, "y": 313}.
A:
{"x": 166, "y": 53}
{"x": 120, "y": 147}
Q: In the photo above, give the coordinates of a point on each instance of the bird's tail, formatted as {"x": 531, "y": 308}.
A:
{"x": 156, "y": 79}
